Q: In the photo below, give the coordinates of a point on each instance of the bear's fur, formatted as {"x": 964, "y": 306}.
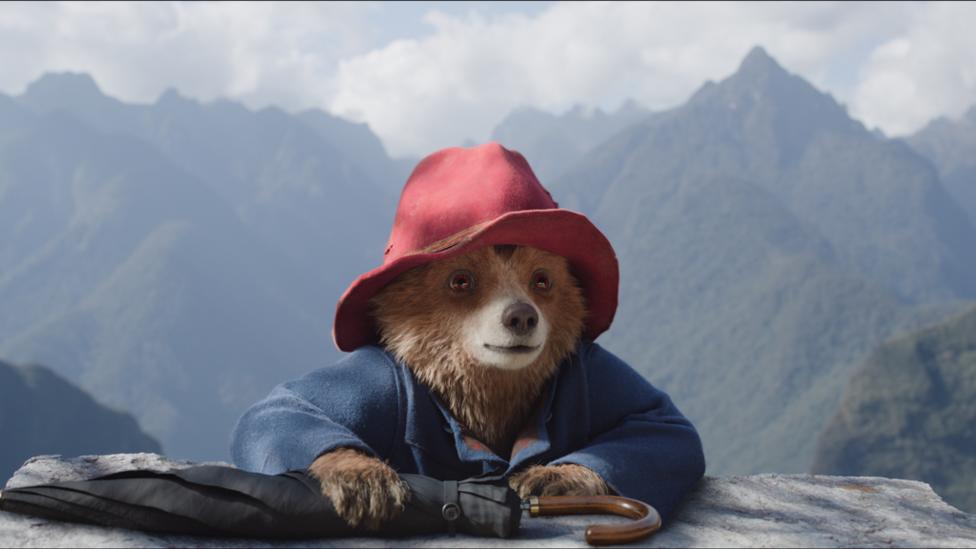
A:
{"x": 433, "y": 322}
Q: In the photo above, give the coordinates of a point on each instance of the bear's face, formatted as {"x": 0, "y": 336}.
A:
{"x": 484, "y": 331}
{"x": 497, "y": 307}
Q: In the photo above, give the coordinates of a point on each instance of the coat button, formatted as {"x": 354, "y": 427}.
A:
{"x": 451, "y": 512}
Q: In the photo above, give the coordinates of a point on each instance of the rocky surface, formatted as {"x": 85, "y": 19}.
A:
{"x": 758, "y": 511}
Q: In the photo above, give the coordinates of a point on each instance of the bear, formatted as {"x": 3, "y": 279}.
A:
{"x": 437, "y": 319}
{"x": 472, "y": 356}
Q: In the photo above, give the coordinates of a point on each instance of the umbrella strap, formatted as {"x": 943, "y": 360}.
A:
{"x": 451, "y": 511}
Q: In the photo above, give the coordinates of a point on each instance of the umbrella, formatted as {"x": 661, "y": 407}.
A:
{"x": 213, "y": 500}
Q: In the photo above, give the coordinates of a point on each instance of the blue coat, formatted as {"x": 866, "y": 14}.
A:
{"x": 598, "y": 413}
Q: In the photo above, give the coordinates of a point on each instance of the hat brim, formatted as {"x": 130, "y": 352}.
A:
{"x": 558, "y": 231}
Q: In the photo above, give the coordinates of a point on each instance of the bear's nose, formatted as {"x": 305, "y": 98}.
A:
{"x": 520, "y": 318}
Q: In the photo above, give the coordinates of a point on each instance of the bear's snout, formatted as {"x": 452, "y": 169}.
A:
{"x": 520, "y": 318}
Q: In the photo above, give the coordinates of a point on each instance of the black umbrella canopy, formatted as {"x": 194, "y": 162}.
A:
{"x": 222, "y": 501}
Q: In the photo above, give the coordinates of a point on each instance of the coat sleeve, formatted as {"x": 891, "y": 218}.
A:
{"x": 639, "y": 442}
{"x": 354, "y": 403}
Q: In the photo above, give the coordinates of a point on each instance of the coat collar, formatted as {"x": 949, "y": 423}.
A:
{"x": 432, "y": 428}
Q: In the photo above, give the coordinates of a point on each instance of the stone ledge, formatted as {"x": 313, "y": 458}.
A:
{"x": 750, "y": 511}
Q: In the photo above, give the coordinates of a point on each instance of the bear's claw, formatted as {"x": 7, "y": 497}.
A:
{"x": 558, "y": 480}
{"x": 363, "y": 489}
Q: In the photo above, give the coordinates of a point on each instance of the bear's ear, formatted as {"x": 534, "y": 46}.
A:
{"x": 505, "y": 251}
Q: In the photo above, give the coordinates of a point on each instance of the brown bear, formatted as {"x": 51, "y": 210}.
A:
{"x": 473, "y": 356}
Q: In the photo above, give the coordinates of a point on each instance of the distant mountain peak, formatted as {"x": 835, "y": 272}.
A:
{"x": 74, "y": 83}
{"x": 788, "y": 100}
{"x": 172, "y": 96}
{"x": 759, "y": 63}
{"x": 758, "y": 75}
{"x": 72, "y": 91}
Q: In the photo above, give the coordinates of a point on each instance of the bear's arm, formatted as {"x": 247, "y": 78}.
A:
{"x": 639, "y": 442}
{"x": 352, "y": 404}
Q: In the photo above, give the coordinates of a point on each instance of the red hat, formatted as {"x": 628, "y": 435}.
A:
{"x": 460, "y": 199}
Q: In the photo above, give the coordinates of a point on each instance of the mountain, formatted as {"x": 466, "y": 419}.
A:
{"x": 362, "y": 147}
{"x": 908, "y": 412}
{"x": 63, "y": 419}
{"x": 272, "y": 168}
{"x": 879, "y": 204}
{"x": 553, "y": 143}
{"x": 176, "y": 259}
{"x": 951, "y": 145}
{"x": 767, "y": 242}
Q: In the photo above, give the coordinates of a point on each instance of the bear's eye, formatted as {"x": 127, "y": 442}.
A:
{"x": 541, "y": 281}
{"x": 461, "y": 281}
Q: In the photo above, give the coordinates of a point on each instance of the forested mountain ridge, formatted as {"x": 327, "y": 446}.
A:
{"x": 176, "y": 259}
{"x": 909, "y": 412}
{"x": 767, "y": 243}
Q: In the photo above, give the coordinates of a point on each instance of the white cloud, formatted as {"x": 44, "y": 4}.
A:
{"x": 426, "y": 84}
{"x": 456, "y": 83}
{"x": 258, "y": 52}
{"x": 928, "y": 70}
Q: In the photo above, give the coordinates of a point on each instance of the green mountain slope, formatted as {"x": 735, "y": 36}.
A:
{"x": 767, "y": 243}
{"x": 178, "y": 259}
{"x": 42, "y": 413}
{"x": 909, "y": 411}
{"x": 138, "y": 282}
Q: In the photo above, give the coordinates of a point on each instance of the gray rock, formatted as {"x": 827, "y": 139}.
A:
{"x": 54, "y": 468}
{"x": 758, "y": 511}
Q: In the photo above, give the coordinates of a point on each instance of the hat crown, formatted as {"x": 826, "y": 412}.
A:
{"x": 458, "y": 188}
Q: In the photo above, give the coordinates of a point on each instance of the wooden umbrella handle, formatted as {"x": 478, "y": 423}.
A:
{"x": 646, "y": 518}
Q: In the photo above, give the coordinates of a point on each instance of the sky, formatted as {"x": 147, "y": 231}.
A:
{"x": 426, "y": 75}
